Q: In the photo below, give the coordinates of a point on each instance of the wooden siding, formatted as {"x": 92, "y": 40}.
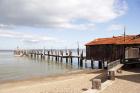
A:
{"x": 105, "y": 52}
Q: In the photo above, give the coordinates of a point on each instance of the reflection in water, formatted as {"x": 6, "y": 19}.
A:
{"x": 17, "y": 68}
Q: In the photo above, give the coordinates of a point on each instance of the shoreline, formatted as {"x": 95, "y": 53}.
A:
{"x": 76, "y": 82}
{"x": 70, "y": 81}
{"x": 50, "y": 77}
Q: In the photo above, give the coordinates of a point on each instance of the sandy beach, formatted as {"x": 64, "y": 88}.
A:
{"x": 71, "y": 83}
{"x": 126, "y": 82}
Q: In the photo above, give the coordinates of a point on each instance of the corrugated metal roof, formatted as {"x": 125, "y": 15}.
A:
{"x": 118, "y": 40}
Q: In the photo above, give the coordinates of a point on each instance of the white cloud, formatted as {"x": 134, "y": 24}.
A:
{"x": 116, "y": 27}
{"x": 59, "y": 13}
{"x": 26, "y": 37}
{"x": 77, "y": 26}
{"x": 5, "y": 26}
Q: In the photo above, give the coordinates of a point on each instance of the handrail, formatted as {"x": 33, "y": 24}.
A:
{"x": 113, "y": 64}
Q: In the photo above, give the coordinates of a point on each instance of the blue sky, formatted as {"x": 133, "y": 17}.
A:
{"x": 63, "y": 23}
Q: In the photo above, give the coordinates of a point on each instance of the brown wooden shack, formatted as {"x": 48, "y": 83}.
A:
{"x": 114, "y": 48}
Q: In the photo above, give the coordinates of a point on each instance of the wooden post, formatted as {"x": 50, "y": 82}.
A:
{"x": 41, "y": 55}
{"x": 112, "y": 75}
{"x": 44, "y": 52}
{"x": 70, "y": 56}
{"x": 78, "y": 62}
{"x": 92, "y": 65}
{"x": 61, "y": 53}
{"x": 78, "y": 52}
{"x": 81, "y": 62}
{"x": 35, "y": 54}
{"x": 52, "y": 58}
{"x": 71, "y": 60}
{"x": 66, "y": 57}
{"x": 96, "y": 84}
{"x": 55, "y": 55}
{"x": 81, "y": 59}
{"x": 48, "y": 55}
{"x": 100, "y": 65}
{"x": 52, "y": 54}
{"x": 58, "y": 56}
{"x": 78, "y": 59}
{"x": 31, "y": 55}
{"x": 62, "y": 58}
{"x": 86, "y": 63}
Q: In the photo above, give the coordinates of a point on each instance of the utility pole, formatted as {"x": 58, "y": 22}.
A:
{"x": 78, "y": 50}
{"x": 124, "y": 45}
{"x": 124, "y": 34}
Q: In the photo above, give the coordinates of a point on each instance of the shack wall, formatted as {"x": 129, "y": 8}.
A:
{"x": 105, "y": 52}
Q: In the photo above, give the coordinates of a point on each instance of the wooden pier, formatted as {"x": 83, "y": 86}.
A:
{"x": 53, "y": 54}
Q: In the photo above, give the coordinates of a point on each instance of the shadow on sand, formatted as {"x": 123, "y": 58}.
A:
{"x": 102, "y": 76}
{"x": 132, "y": 78}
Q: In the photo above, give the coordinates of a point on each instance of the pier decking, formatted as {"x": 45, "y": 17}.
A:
{"x": 56, "y": 55}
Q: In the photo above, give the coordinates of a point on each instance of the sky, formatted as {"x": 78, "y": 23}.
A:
{"x": 35, "y": 24}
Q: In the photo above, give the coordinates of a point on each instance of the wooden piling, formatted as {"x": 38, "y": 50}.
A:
{"x": 66, "y": 57}
{"x": 48, "y": 55}
{"x": 61, "y": 53}
{"x": 31, "y": 55}
{"x": 56, "y": 54}
{"x": 86, "y": 63}
{"x": 92, "y": 65}
{"x": 112, "y": 75}
{"x": 70, "y": 56}
{"x": 100, "y": 64}
{"x": 96, "y": 84}
{"x": 81, "y": 59}
{"x": 41, "y": 55}
{"x": 81, "y": 62}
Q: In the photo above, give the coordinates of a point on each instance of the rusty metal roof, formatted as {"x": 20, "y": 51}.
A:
{"x": 117, "y": 40}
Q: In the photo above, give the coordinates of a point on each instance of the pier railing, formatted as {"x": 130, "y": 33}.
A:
{"x": 59, "y": 55}
{"x": 113, "y": 64}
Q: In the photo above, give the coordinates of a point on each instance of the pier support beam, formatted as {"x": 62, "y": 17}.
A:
{"x": 61, "y": 59}
{"x": 31, "y": 55}
{"x": 78, "y": 60}
{"x": 56, "y": 58}
{"x": 86, "y": 63}
{"x": 41, "y": 56}
{"x": 81, "y": 62}
{"x": 71, "y": 60}
{"x": 92, "y": 65}
{"x": 100, "y": 64}
{"x": 66, "y": 59}
{"x": 48, "y": 55}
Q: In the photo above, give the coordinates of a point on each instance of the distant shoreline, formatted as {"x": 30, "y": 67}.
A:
{"x": 6, "y": 50}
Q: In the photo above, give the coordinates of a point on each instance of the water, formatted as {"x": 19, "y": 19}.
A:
{"x": 19, "y": 68}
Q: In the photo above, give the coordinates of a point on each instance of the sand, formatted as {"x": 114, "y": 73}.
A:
{"x": 127, "y": 82}
{"x": 72, "y": 83}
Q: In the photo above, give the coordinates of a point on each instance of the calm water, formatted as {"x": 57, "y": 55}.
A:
{"x": 18, "y": 68}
